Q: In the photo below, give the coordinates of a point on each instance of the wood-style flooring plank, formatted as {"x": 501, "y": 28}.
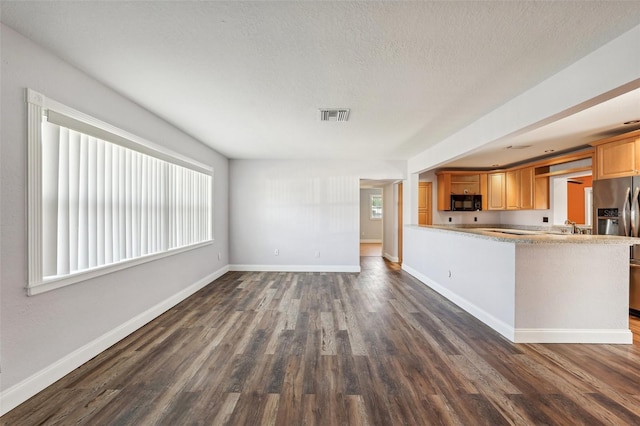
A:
{"x": 374, "y": 348}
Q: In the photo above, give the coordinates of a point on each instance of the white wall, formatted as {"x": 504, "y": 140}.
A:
{"x": 370, "y": 229}
{"x": 589, "y": 284}
{"x": 41, "y": 330}
{"x": 475, "y": 273}
{"x": 530, "y": 293}
{"x": 390, "y": 218}
{"x": 299, "y": 207}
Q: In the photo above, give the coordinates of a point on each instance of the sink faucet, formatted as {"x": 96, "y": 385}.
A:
{"x": 574, "y": 229}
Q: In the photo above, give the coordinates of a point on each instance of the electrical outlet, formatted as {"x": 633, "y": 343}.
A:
{"x": 449, "y": 219}
{"x": 545, "y": 219}
{"x": 219, "y": 256}
{"x": 276, "y": 252}
{"x": 318, "y": 253}
{"x": 475, "y": 219}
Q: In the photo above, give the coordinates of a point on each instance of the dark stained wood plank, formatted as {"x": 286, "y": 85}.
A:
{"x": 375, "y": 348}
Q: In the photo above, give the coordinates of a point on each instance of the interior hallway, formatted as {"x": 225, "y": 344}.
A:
{"x": 370, "y": 249}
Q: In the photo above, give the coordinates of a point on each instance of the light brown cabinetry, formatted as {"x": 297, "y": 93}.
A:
{"x": 517, "y": 189}
{"x": 618, "y": 158}
{"x": 541, "y": 193}
{"x": 496, "y": 193}
{"x": 520, "y": 189}
{"x": 523, "y": 187}
{"x": 512, "y": 187}
{"x": 424, "y": 203}
{"x": 459, "y": 183}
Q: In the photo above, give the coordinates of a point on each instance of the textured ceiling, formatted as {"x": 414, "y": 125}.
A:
{"x": 247, "y": 78}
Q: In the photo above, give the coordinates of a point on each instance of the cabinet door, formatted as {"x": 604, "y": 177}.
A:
{"x": 444, "y": 191}
{"x": 513, "y": 189}
{"x": 422, "y": 195}
{"x": 526, "y": 188}
{"x": 541, "y": 193}
{"x": 424, "y": 203}
{"x": 496, "y": 191}
{"x": 617, "y": 159}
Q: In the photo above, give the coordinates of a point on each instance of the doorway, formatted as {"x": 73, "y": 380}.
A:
{"x": 572, "y": 199}
{"x": 579, "y": 199}
{"x": 389, "y": 219}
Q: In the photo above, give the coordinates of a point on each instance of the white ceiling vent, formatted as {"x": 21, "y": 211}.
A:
{"x": 341, "y": 114}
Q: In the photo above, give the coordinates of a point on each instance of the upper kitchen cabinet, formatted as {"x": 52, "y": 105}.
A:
{"x": 496, "y": 194}
{"x": 519, "y": 189}
{"x": 527, "y": 188}
{"x": 541, "y": 193}
{"x": 618, "y": 156}
{"x": 513, "y": 189}
{"x": 460, "y": 183}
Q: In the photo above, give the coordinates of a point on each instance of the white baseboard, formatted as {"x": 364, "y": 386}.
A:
{"x": 622, "y": 337}
{"x": 524, "y": 335}
{"x": 498, "y": 325}
{"x": 295, "y": 268}
{"x": 391, "y": 258}
{"x": 20, "y": 392}
{"x": 371, "y": 241}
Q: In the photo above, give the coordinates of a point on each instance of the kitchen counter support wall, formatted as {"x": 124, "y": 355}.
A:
{"x": 529, "y": 293}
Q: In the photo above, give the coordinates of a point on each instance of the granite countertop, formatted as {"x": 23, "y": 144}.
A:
{"x": 530, "y": 235}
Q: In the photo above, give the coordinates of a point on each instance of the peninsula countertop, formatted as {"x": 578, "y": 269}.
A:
{"x": 529, "y": 235}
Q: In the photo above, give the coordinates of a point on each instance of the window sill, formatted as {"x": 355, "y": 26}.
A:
{"x": 55, "y": 282}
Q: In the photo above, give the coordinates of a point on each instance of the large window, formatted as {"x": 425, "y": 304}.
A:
{"x": 101, "y": 199}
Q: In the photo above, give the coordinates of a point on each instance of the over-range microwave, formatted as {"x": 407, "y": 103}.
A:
{"x": 466, "y": 202}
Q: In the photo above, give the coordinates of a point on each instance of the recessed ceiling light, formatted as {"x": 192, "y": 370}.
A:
{"x": 632, "y": 122}
{"x": 518, "y": 146}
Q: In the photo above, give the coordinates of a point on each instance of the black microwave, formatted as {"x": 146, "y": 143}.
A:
{"x": 466, "y": 202}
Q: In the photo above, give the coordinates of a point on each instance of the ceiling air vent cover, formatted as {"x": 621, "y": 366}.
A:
{"x": 341, "y": 114}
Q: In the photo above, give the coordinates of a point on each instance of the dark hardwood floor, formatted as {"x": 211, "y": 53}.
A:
{"x": 376, "y": 348}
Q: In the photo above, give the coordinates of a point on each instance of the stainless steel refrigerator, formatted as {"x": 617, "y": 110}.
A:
{"x": 616, "y": 210}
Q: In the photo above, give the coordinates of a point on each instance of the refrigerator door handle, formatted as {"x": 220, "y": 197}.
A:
{"x": 625, "y": 213}
{"x": 635, "y": 213}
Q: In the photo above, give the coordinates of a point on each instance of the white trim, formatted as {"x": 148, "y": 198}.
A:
{"x": 20, "y": 392}
{"x": 526, "y": 335}
{"x": 34, "y": 186}
{"x": 531, "y": 335}
{"x": 295, "y": 268}
{"x": 49, "y": 284}
{"x": 390, "y": 258}
{"x": 45, "y": 103}
{"x": 498, "y": 325}
{"x": 372, "y": 241}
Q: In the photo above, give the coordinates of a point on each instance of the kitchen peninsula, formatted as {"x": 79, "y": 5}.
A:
{"x": 530, "y": 286}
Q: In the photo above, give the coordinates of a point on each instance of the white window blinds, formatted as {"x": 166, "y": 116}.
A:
{"x": 104, "y": 202}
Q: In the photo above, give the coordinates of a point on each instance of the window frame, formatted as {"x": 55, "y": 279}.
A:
{"x": 371, "y": 206}
{"x": 37, "y": 106}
